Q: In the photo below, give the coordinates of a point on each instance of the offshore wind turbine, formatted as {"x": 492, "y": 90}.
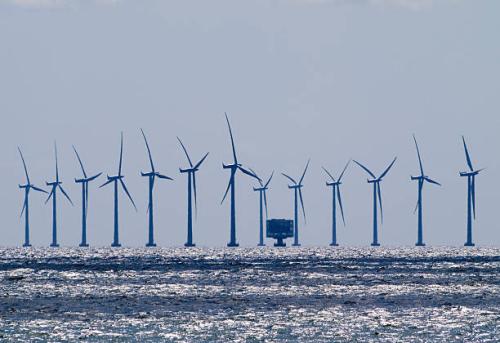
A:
{"x": 422, "y": 178}
{"x": 27, "y": 187}
{"x": 152, "y": 175}
{"x": 336, "y": 197}
{"x": 297, "y": 188}
{"x": 234, "y": 167}
{"x": 85, "y": 197}
{"x": 377, "y": 197}
{"x": 115, "y": 180}
{"x": 262, "y": 204}
{"x": 471, "y": 194}
{"x": 53, "y": 194}
{"x": 191, "y": 172}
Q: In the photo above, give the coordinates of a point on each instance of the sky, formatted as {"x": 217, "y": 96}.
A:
{"x": 328, "y": 80}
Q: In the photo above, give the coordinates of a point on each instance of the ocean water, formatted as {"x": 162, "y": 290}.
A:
{"x": 250, "y": 295}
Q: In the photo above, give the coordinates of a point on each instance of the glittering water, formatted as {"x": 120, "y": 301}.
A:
{"x": 253, "y": 295}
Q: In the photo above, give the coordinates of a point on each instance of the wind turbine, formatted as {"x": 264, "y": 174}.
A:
{"x": 234, "y": 167}
{"x": 297, "y": 187}
{"x": 376, "y": 194}
{"x": 422, "y": 178}
{"x": 53, "y": 194}
{"x": 115, "y": 180}
{"x": 27, "y": 187}
{"x": 262, "y": 201}
{"x": 191, "y": 172}
{"x": 152, "y": 175}
{"x": 471, "y": 194}
{"x": 336, "y": 197}
{"x": 85, "y": 197}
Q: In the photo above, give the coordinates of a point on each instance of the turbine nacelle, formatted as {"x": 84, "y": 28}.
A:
{"x": 231, "y": 166}
{"x": 472, "y": 173}
{"x": 115, "y": 178}
{"x": 331, "y": 184}
{"x": 189, "y": 170}
{"x": 53, "y": 184}
{"x": 260, "y": 189}
{"x": 295, "y": 186}
{"x": 88, "y": 179}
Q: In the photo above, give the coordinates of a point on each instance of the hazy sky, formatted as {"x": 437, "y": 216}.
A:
{"x": 329, "y": 80}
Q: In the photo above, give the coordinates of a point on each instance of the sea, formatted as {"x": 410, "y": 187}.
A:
{"x": 341, "y": 294}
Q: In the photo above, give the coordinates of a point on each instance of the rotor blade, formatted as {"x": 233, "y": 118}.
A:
{"x": 39, "y": 190}
{"x": 232, "y": 139}
{"x": 289, "y": 178}
{"x": 269, "y": 180}
{"x": 233, "y": 171}
{"x": 201, "y": 161}
{"x": 343, "y": 171}
{"x": 65, "y": 194}
{"x": 121, "y": 155}
{"x": 467, "y": 156}
{"x": 380, "y": 203}
{"x": 57, "y": 164}
{"x": 24, "y": 206}
{"x": 265, "y": 202}
{"x": 259, "y": 179}
{"x": 302, "y": 204}
{"x": 24, "y": 165}
{"x": 80, "y": 161}
{"x": 473, "y": 195}
{"x": 365, "y": 169}
{"x": 149, "y": 151}
{"x": 330, "y": 175}
{"x": 388, "y": 168}
{"x": 431, "y": 181}
{"x": 94, "y": 177}
{"x": 164, "y": 177}
{"x": 194, "y": 193}
{"x": 304, "y": 173}
{"x": 50, "y": 195}
{"x": 419, "y": 157}
{"x": 340, "y": 204}
{"x": 86, "y": 199}
{"x": 420, "y": 187}
{"x": 106, "y": 183}
{"x": 185, "y": 152}
{"x": 249, "y": 173}
{"x": 128, "y": 194}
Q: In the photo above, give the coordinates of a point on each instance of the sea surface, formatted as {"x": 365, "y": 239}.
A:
{"x": 250, "y": 295}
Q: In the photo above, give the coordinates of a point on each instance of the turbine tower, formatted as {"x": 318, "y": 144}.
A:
{"x": 234, "y": 167}
{"x": 422, "y": 178}
{"x": 376, "y": 194}
{"x": 297, "y": 187}
{"x": 27, "y": 187}
{"x": 85, "y": 197}
{"x": 53, "y": 194}
{"x": 262, "y": 204}
{"x": 336, "y": 197}
{"x": 115, "y": 180}
{"x": 191, "y": 172}
{"x": 471, "y": 194}
{"x": 152, "y": 175}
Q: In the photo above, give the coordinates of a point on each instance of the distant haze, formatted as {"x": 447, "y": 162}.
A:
{"x": 326, "y": 80}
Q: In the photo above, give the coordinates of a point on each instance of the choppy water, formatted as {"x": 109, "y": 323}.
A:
{"x": 200, "y": 295}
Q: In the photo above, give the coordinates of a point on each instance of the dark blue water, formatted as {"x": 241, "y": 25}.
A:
{"x": 252, "y": 295}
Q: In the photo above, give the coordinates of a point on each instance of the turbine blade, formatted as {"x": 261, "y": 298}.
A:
{"x": 121, "y": 156}
{"x": 149, "y": 151}
{"x": 249, "y": 173}
{"x": 185, "y": 152}
{"x": 39, "y": 190}
{"x": 269, "y": 180}
{"x": 473, "y": 195}
{"x": 24, "y": 206}
{"x": 24, "y": 165}
{"x": 419, "y": 157}
{"x": 302, "y": 204}
{"x": 50, "y": 195}
{"x": 431, "y": 181}
{"x": 194, "y": 193}
{"x": 57, "y": 164}
{"x": 265, "y": 202}
{"x": 343, "y": 171}
{"x": 94, "y": 177}
{"x": 259, "y": 179}
{"x": 106, "y": 183}
{"x": 80, "y": 161}
{"x": 164, "y": 177}
{"x": 340, "y": 204}
{"x": 65, "y": 194}
{"x": 233, "y": 171}
{"x": 86, "y": 199}
{"x": 420, "y": 187}
{"x": 380, "y": 203}
{"x": 388, "y": 168}
{"x": 128, "y": 194}
{"x": 467, "y": 156}
{"x": 305, "y": 171}
{"x": 232, "y": 139}
{"x": 365, "y": 169}
{"x": 201, "y": 161}
{"x": 289, "y": 178}
{"x": 330, "y": 175}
